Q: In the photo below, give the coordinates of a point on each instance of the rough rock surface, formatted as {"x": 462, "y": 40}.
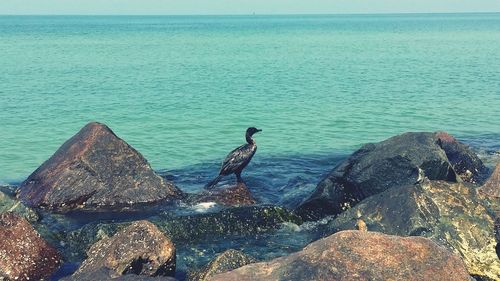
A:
{"x": 105, "y": 274}
{"x": 356, "y": 255}
{"x": 10, "y": 204}
{"x": 398, "y": 161}
{"x": 247, "y": 220}
{"x": 92, "y": 170}
{"x": 224, "y": 262}
{"x": 23, "y": 254}
{"x": 451, "y": 214}
{"x": 492, "y": 186}
{"x": 138, "y": 249}
{"x": 236, "y": 195}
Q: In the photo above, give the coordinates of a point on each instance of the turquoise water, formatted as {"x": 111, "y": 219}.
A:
{"x": 182, "y": 90}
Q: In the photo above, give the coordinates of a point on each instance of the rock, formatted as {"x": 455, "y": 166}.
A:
{"x": 226, "y": 261}
{"x": 397, "y": 161}
{"x": 23, "y": 254}
{"x": 357, "y": 255}
{"x": 10, "y": 204}
{"x": 95, "y": 170}
{"x": 247, "y": 220}
{"x": 139, "y": 249}
{"x": 236, "y": 195}
{"x": 492, "y": 186}
{"x": 497, "y": 236}
{"x": 449, "y": 213}
{"x": 105, "y": 274}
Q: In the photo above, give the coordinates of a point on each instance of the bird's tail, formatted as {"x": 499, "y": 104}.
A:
{"x": 213, "y": 182}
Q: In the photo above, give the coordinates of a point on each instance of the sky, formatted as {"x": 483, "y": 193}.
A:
{"x": 221, "y": 7}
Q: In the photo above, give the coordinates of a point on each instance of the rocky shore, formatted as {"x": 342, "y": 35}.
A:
{"x": 417, "y": 206}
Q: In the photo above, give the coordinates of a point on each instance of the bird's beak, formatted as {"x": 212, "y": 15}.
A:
{"x": 259, "y": 130}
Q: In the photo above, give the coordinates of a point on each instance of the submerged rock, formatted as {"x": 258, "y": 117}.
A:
{"x": 10, "y": 204}
{"x": 224, "y": 262}
{"x": 247, "y": 220}
{"x": 236, "y": 195}
{"x": 449, "y": 213}
{"x": 23, "y": 254}
{"x": 398, "y": 161}
{"x": 95, "y": 170}
{"x": 356, "y": 255}
{"x": 106, "y": 274}
{"x": 139, "y": 249}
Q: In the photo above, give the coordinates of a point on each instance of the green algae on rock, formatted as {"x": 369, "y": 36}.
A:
{"x": 10, "y": 204}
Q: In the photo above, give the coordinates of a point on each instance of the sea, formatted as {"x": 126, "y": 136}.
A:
{"x": 183, "y": 89}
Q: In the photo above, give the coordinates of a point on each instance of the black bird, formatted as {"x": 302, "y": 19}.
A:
{"x": 237, "y": 159}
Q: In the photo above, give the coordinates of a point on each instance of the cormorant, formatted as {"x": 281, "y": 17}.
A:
{"x": 237, "y": 159}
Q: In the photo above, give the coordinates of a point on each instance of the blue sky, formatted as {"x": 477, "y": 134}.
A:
{"x": 182, "y": 7}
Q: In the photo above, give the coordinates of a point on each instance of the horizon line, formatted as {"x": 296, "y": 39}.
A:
{"x": 263, "y": 14}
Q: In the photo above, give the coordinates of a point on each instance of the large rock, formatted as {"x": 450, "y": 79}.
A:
{"x": 451, "y": 214}
{"x": 23, "y": 254}
{"x": 139, "y": 249}
{"x": 10, "y": 204}
{"x": 95, "y": 170}
{"x": 398, "y": 161}
{"x": 236, "y": 195}
{"x": 355, "y": 255}
{"x": 224, "y": 262}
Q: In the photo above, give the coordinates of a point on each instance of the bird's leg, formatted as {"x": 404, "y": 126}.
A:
{"x": 238, "y": 177}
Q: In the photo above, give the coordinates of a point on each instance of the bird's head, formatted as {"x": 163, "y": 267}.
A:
{"x": 252, "y": 130}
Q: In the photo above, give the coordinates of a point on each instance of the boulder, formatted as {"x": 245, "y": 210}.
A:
{"x": 236, "y": 195}
{"x": 139, "y": 249}
{"x": 451, "y": 214}
{"x": 95, "y": 170}
{"x": 11, "y": 204}
{"x": 226, "y": 261}
{"x": 397, "y": 161}
{"x": 356, "y": 255}
{"x": 492, "y": 186}
{"x": 106, "y": 274}
{"x": 497, "y": 236}
{"x": 23, "y": 254}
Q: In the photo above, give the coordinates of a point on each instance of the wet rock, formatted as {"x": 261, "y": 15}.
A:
{"x": 10, "y": 204}
{"x": 397, "y": 161}
{"x": 236, "y": 195}
{"x": 451, "y": 214}
{"x": 233, "y": 221}
{"x": 224, "y": 262}
{"x": 105, "y": 274}
{"x": 23, "y": 254}
{"x": 492, "y": 186}
{"x": 139, "y": 249}
{"x": 95, "y": 170}
{"x": 356, "y": 255}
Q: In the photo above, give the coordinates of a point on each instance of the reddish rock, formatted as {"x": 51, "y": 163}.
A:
{"x": 138, "y": 249}
{"x": 224, "y": 262}
{"x": 95, "y": 170}
{"x": 358, "y": 255}
{"x": 237, "y": 195}
{"x": 492, "y": 185}
{"x": 24, "y": 255}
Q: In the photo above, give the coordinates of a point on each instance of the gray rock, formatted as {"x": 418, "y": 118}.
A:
{"x": 106, "y": 274}
{"x": 11, "y": 204}
{"x": 451, "y": 214}
{"x": 398, "y": 161}
{"x": 95, "y": 170}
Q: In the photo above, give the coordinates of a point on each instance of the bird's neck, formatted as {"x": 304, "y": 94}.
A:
{"x": 249, "y": 139}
